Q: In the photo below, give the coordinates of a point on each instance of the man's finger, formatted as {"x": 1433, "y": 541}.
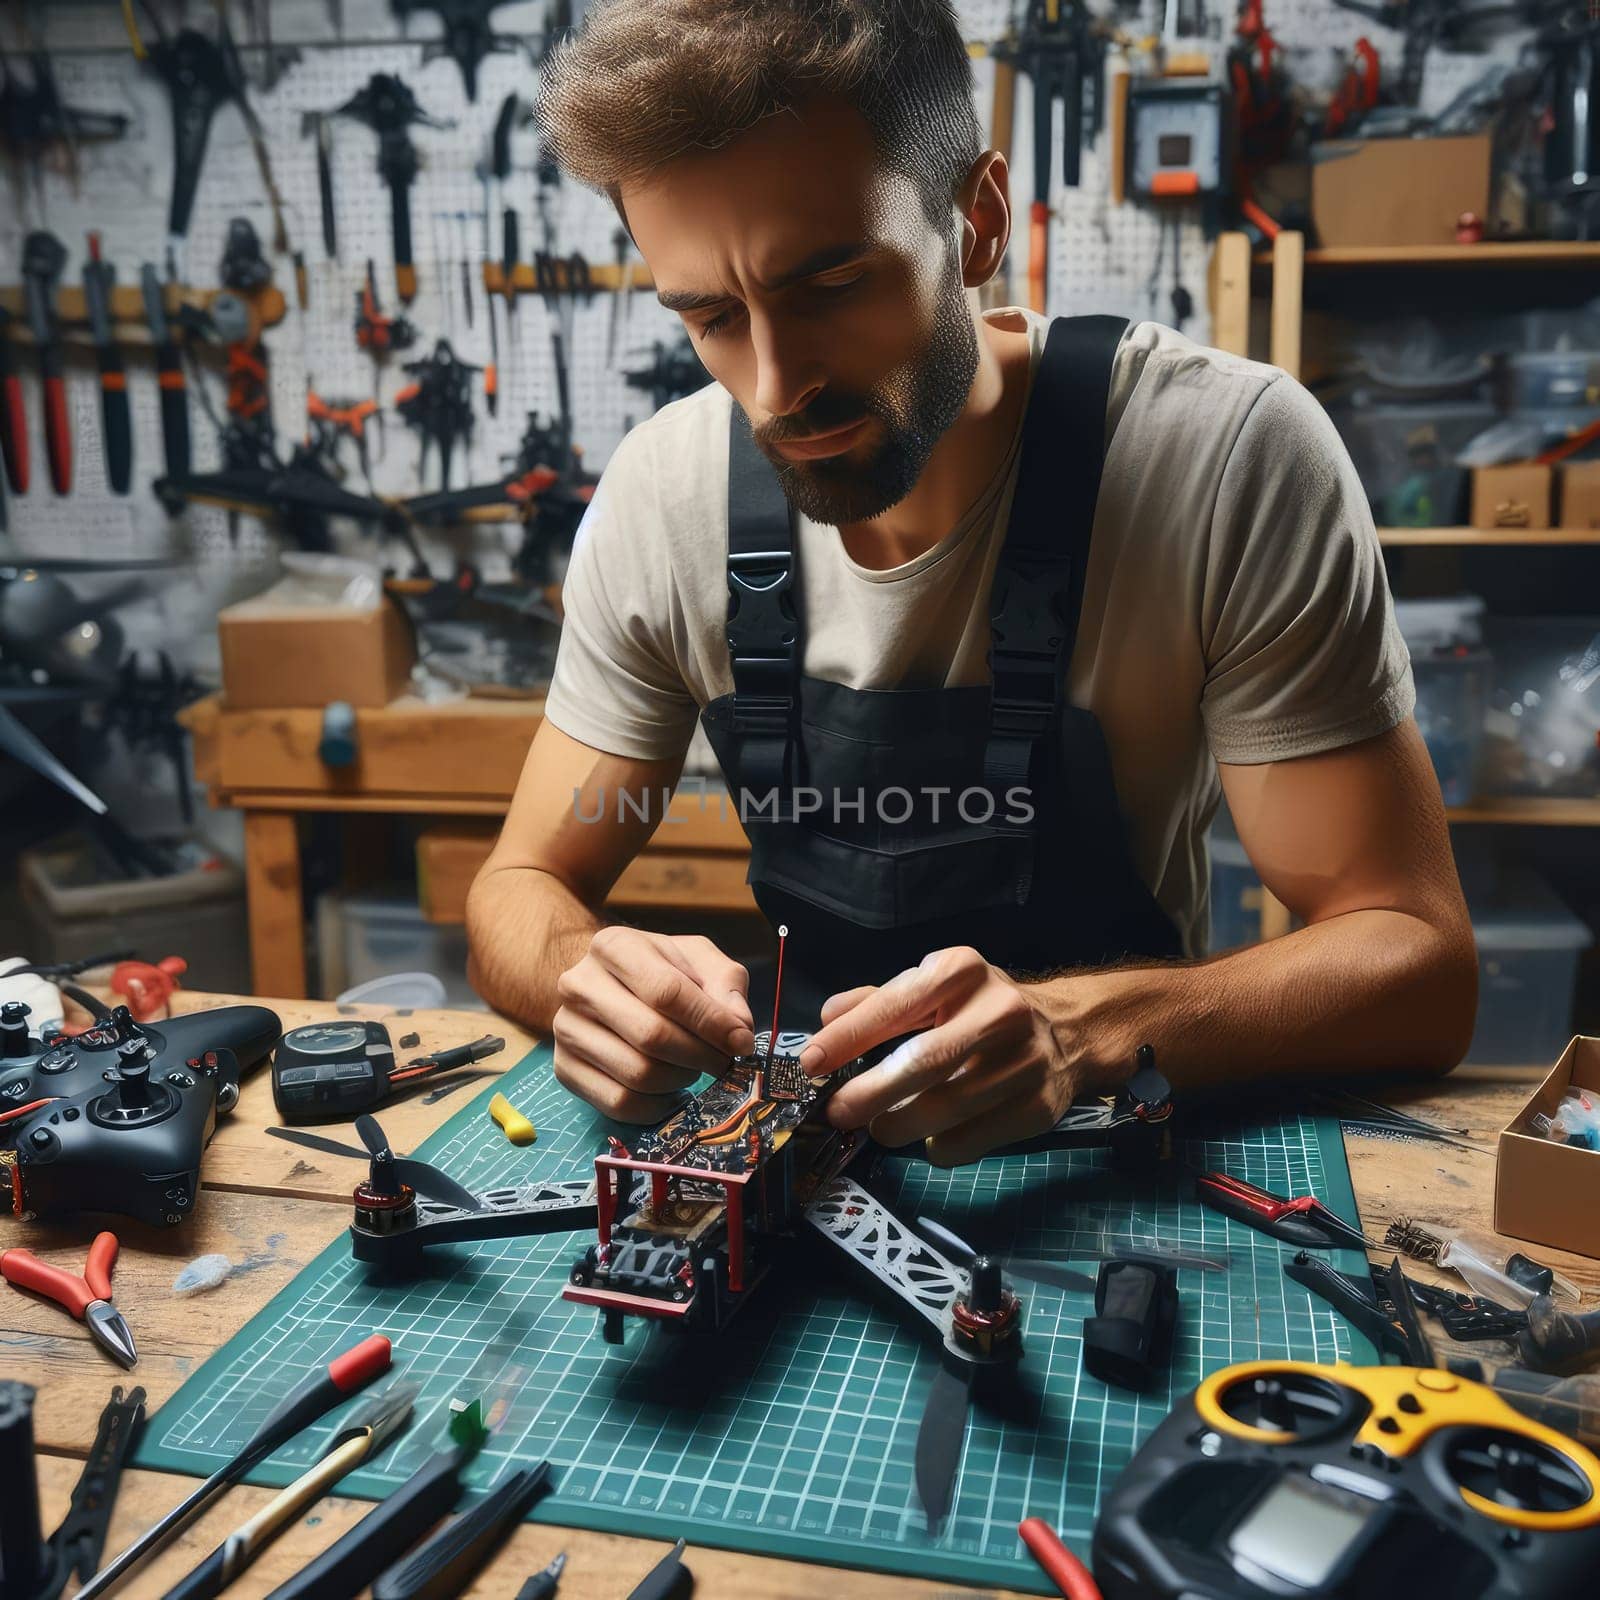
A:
{"x": 595, "y": 1043}
{"x": 907, "y": 1001}
{"x": 913, "y": 1065}
{"x": 1022, "y": 1118}
{"x": 720, "y": 976}
{"x": 666, "y": 988}
{"x": 605, "y": 1094}
{"x": 975, "y": 1087}
{"x": 604, "y": 999}
{"x": 846, "y": 1000}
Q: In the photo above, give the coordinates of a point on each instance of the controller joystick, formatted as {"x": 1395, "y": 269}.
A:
{"x": 133, "y": 1073}
{"x": 123, "y": 1025}
{"x": 14, "y": 1041}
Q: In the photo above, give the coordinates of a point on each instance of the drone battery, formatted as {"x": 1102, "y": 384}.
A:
{"x": 328, "y": 1070}
{"x": 1129, "y": 1337}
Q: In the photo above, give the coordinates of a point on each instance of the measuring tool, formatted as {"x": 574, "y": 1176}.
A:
{"x": 327, "y": 1070}
{"x": 1289, "y": 1479}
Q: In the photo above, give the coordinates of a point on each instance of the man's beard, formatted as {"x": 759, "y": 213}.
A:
{"x": 913, "y": 406}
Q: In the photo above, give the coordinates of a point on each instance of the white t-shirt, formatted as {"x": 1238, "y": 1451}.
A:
{"x": 1235, "y": 607}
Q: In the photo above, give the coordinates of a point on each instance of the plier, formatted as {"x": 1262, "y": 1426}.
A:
{"x": 88, "y": 1298}
{"x": 1302, "y": 1220}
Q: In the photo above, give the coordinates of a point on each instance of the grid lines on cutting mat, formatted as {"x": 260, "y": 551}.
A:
{"x": 794, "y": 1432}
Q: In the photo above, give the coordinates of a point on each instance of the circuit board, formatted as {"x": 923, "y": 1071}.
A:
{"x": 752, "y": 1110}
{"x": 793, "y": 1432}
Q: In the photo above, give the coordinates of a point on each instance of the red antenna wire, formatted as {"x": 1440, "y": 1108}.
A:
{"x": 777, "y": 993}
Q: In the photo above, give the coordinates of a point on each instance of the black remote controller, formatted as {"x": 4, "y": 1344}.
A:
{"x": 116, "y": 1118}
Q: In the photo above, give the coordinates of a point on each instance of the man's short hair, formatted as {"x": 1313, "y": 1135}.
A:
{"x": 642, "y": 82}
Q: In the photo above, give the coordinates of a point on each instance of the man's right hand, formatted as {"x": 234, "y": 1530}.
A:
{"x": 643, "y": 1015}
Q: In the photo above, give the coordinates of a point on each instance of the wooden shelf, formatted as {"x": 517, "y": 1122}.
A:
{"x": 1529, "y": 811}
{"x": 1534, "y": 253}
{"x": 1488, "y": 536}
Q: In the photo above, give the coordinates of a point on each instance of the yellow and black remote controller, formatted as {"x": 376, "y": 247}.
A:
{"x": 1289, "y": 1480}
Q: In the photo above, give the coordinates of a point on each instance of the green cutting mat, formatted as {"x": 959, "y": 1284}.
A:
{"x": 792, "y": 1434}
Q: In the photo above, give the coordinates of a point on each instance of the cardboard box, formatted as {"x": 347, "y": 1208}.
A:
{"x": 1544, "y": 1192}
{"x": 1580, "y": 495}
{"x": 275, "y": 655}
{"x": 1516, "y": 495}
{"x": 1397, "y": 191}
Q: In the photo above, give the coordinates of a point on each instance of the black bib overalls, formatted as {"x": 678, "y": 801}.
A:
{"x": 885, "y": 824}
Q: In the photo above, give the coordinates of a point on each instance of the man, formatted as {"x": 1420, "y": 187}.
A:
{"x": 821, "y": 553}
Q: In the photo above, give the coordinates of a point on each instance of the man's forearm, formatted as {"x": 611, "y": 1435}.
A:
{"x": 1367, "y": 990}
{"x": 525, "y": 928}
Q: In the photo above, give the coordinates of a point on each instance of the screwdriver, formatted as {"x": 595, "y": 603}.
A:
{"x": 370, "y": 1427}
{"x": 303, "y": 1405}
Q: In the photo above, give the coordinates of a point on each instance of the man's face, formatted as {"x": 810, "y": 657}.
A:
{"x": 817, "y": 293}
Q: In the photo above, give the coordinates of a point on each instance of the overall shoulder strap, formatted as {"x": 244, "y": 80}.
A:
{"x": 763, "y": 633}
{"x": 1038, "y": 581}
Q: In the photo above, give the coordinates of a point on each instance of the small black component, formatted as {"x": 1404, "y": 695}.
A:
{"x": 447, "y": 1561}
{"x": 329, "y": 1070}
{"x": 1527, "y": 1272}
{"x": 410, "y": 1041}
{"x": 1129, "y": 1338}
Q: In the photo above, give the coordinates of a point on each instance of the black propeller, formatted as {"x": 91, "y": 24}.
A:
{"x": 1035, "y": 1271}
{"x": 940, "y": 1439}
{"x": 387, "y": 1167}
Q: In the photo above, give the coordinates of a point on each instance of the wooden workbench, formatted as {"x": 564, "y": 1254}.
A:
{"x": 271, "y": 1207}
{"x": 458, "y": 760}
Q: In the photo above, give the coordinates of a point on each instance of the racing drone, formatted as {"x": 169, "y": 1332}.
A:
{"x": 691, "y": 1220}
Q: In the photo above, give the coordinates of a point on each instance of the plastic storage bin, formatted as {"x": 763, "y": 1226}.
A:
{"x": 361, "y": 937}
{"x": 71, "y": 911}
{"x": 1544, "y": 713}
{"x": 1528, "y": 949}
{"x": 1453, "y": 675}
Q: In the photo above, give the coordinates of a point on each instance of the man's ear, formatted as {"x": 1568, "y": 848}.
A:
{"x": 985, "y": 219}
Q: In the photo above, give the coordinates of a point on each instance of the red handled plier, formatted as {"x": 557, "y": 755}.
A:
{"x": 88, "y": 1298}
{"x": 1303, "y": 1220}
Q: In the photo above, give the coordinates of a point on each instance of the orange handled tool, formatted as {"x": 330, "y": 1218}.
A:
{"x": 88, "y": 1298}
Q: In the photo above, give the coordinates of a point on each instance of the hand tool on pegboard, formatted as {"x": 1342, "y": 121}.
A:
{"x": 333, "y": 421}
{"x": 622, "y": 294}
{"x": 467, "y": 34}
{"x": 34, "y": 116}
{"x": 494, "y": 167}
{"x": 201, "y": 75}
{"x": 380, "y": 335}
{"x": 13, "y": 414}
{"x": 438, "y": 405}
{"x": 169, "y": 375}
{"x": 1060, "y": 49}
{"x": 316, "y": 125}
{"x": 388, "y": 107}
{"x": 1262, "y": 108}
{"x": 43, "y": 257}
{"x": 116, "y": 422}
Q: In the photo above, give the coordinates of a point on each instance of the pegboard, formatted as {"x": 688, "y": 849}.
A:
{"x": 1103, "y": 258}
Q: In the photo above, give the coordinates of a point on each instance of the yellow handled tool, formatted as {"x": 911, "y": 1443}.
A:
{"x": 513, "y": 1124}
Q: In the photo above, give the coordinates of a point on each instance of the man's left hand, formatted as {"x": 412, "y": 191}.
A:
{"x": 988, "y": 1067}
